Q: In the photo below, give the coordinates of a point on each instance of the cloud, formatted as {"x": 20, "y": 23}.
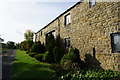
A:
{"x": 20, "y": 33}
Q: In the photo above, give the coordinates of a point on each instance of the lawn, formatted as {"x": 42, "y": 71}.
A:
{"x": 25, "y": 66}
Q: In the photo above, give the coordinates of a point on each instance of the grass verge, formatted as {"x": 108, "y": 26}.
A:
{"x": 25, "y": 66}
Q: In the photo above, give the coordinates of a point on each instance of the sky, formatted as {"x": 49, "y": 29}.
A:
{"x": 16, "y": 16}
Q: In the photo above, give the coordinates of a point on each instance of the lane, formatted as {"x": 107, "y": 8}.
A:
{"x": 7, "y": 60}
{"x": 0, "y": 62}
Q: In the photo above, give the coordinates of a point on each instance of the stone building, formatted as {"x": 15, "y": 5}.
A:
{"x": 93, "y": 28}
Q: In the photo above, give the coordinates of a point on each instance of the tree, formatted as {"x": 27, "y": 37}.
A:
{"x": 17, "y": 45}
{"x": 29, "y": 35}
{"x": 10, "y": 45}
{"x": 1, "y": 40}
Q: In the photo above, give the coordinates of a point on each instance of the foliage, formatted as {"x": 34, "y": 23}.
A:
{"x": 56, "y": 53}
{"x": 92, "y": 74}
{"x": 30, "y": 43}
{"x": 29, "y": 35}
{"x": 3, "y": 50}
{"x": 67, "y": 57}
{"x": 76, "y": 54}
{"x": 50, "y": 42}
{"x": 39, "y": 57}
{"x": 73, "y": 56}
{"x": 59, "y": 43}
{"x": 3, "y": 45}
{"x": 58, "y": 69}
{"x": 71, "y": 60}
{"x": 17, "y": 46}
{"x": 10, "y": 45}
{"x": 37, "y": 47}
{"x": 32, "y": 54}
{"x": 24, "y": 46}
{"x": 48, "y": 57}
{"x": 1, "y": 40}
{"x": 27, "y": 68}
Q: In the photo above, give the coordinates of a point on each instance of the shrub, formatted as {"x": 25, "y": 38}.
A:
{"x": 32, "y": 54}
{"x": 50, "y": 43}
{"x": 27, "y": 51}
{"x": 76, "y": 54}
{"x": 73, "y": 55}
{"x": 30, "y": 43}
{"x": 48, "y": 57}
{"x": 56, "y": 53}
{"x": 37, "y": 47}
{"x": 71, "y": 60}
{"x": 39, "y": 57}
{"x": 92, "y": 74}
{"x": 68, "y": 57}
{"x": 24, "y": 46}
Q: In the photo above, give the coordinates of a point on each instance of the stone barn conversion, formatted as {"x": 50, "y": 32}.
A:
{"x": 93, "y": 28}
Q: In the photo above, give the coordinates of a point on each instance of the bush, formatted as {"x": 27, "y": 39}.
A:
{"x": 27, "y": 51}
{"x": 76, "y": 54}
{"x": 92, "y": 74}
{"x": 32, "y": 54}
{"x": 73, "y": 56}
{"x": 24, "y": 46}
{"x": 39, "y": 57}
{"x": 37, "y": 47}
{"x": 48, "y": 57}
{"x": 67, "y": 57}
{"x": 71, "y": 60}
{"x": 30, "y": 43}
{"x": 50, "y": 43}
{"x": 56, "y": 53}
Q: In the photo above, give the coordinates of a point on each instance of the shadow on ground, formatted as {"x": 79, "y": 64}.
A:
{"x": 31, "y": 71}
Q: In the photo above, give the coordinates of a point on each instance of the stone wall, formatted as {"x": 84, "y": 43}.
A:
{"x": 90, "y": 28}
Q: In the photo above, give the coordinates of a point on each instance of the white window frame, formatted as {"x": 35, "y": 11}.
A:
{"x": 92, "y": 3}
{"x": 53, "y": 33}
{"x": 115, "y": 42}
{"x": 67, "y": 19}
{"x": 67, "y": 42}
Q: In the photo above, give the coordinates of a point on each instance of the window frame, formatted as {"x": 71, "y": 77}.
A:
{"x": 65, "y": 19}
{"x": 112, "y": 42}
{"x": 53, "y": 33}
{"x": 41, "y": 33}
{"x": 90, "y": 3}
{"x": 67, "y": 45}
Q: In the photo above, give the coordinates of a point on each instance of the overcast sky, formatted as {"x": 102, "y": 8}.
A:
{"x": 16, "y": 16}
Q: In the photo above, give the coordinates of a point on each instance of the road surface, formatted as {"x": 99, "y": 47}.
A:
{"x": 7, "y": 60}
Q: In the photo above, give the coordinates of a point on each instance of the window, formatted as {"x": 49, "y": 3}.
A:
{"x": 53, "y": 33}
{"x": 67, "y": 19}
{"x": 41, "y": 33}
{"x": 39, "y": 36}
{"x": 67, "y": 43}
{"x": 115, "y": 42}
{"x": 92, "y": 3}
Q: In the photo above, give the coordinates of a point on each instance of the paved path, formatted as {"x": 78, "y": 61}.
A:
{"x": 7, "y": 60}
